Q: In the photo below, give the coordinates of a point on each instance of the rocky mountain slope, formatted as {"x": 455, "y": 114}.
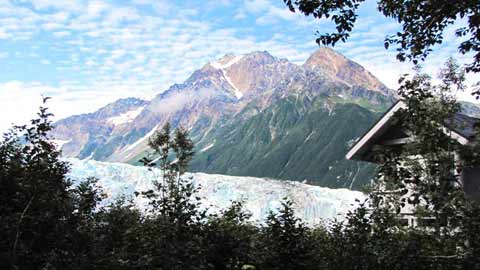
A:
{"x": 251, "y": 115}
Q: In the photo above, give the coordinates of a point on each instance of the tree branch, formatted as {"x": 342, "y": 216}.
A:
{"x": 17, "y": 235}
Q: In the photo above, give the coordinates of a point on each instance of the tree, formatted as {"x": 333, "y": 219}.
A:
{"x": 230, "y": 238}
{"x": 171, "y": 196}
{"x": 172, "y": 232}
{"x": 286, "y": 242}
{"x": 426, "y": 168}
{"x": 423, "y": 24}
{"x": 34, "y": 201}
{"x": 117, "y": 241}
{"x": 45, "y": 222}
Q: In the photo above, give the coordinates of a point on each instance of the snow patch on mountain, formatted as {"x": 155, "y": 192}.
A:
{"x": 225, "y": 63}
{"x": 60, "y": 143}
{"x": 236, "y": 91}
{"x": 207, "y": 147}
{"x": 313, "y": 204}
{"x": 125, "y": 117}
{"x": 148, "y": 135}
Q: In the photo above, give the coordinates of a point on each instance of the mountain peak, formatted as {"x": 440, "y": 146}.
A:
{"x": 226, "y": 61}
{"x": 325, "y": 56}
{"x": 260, "y": 57}
{"x": 260, "y": 53}
{"x": 338, "y": 66}
{"x": 243, "y": 73}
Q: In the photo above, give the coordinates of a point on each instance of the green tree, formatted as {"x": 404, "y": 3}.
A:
{"x": 172, "y": 231}
{"x": 230, "y": 239}
{"x": 42, "y": 217}
{"x": 351, "y": 241}
{"x": 117, "y": 241}
{"x": 286, "y": 242}
{"x": 34, "y": 200}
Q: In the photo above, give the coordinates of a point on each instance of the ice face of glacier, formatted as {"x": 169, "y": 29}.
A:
{"x": 313, "y": 204}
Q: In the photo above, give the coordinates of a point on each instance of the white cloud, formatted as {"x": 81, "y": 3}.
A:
{"x": 96, "y": 8}
{"x": 61, "y": 34}
{"x": 90, "y": 63}
{"x": 118, "y": 15}
{"x": 21, "y": 100}
{"x": 52, "y": 26}
{"x": 239, "y": 15}
{"x": 4, "y": 34}
{"x": 256, "y": 6}
{"x": 71, "y": 5}
{"x": 59, "y": 17}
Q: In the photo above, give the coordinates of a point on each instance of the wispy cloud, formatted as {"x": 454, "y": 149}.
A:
{"x": 79, "y": 51}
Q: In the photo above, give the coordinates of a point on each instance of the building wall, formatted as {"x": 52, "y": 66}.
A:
{"x": 471, "y": 182}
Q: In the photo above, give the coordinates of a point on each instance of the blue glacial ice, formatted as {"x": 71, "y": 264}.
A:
{"x": 312, "y": 204}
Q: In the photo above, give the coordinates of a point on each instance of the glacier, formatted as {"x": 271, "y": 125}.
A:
{"x": 313, "y": 204}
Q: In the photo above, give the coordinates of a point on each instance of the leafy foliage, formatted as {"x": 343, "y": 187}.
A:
{"x": 229, "y": 238}
{"x": 286, "y": 242}
{"x": 423, "y": 24}
{"x": 37, "y": 203}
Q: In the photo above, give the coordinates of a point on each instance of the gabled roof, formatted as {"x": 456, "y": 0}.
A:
{"x": 460, "y": 127}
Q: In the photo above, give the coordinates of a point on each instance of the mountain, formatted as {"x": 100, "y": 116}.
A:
{"x": 295, "y": 138}
{"x": 470, "y": 109}
{"x": 80, "y": 134}
{"x": 312, "y": 204}
{"x": 336, "y": 65}
{"x": 249, "y": 115}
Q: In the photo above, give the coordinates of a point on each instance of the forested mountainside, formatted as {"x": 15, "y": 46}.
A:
{"x": 293, "y": 139}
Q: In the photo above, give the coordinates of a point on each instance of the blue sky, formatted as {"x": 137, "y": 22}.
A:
{"x": 88, "y": 53}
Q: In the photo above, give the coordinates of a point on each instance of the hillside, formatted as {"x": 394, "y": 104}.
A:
{"x": 293, "y": 139}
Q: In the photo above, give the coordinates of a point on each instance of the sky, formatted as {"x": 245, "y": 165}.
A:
{"x": 88, "y": 53}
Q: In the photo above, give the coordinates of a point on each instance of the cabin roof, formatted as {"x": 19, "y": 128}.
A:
{"x": 460, "y": 127}
{"x": 463, "y": 124}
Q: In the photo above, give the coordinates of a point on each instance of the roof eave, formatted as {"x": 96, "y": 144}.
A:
{"x": 355, "y": 153}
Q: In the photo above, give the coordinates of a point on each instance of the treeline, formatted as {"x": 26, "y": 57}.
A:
{"x": 47, "y": 223}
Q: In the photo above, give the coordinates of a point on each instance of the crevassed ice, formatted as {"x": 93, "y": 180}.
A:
{"x": 313, "y": 204}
